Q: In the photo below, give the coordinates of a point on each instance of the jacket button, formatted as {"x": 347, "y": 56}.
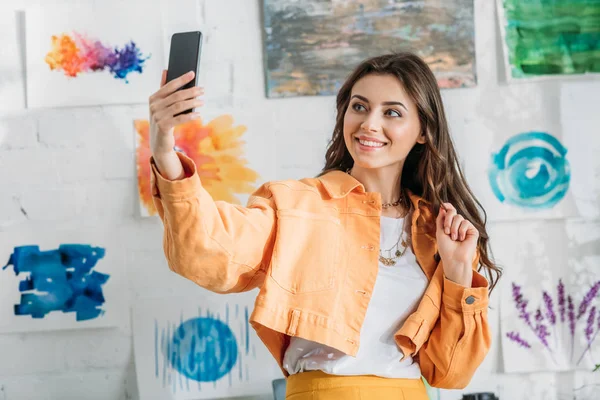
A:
{"x": 470, "y": 300}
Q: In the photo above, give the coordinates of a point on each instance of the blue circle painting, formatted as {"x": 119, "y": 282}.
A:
{"x": 203, "y": 349}
{"x": 530, "y": 171}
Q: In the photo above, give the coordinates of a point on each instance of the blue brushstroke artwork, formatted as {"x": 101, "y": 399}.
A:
{"x": 530, "y": 171}
{"x": 59, "y": 280}
{"x": 202, "y": 350}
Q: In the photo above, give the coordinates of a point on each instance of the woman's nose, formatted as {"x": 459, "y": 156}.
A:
{"x": 370, "y": 124}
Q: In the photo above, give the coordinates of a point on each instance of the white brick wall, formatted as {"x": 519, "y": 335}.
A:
{"x": 62, "y": 166}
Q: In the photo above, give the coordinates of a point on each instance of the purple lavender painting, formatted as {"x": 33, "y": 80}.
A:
{"x": 550, "y": 306}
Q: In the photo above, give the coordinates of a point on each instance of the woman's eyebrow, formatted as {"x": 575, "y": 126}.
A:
{"x": 385, "y": 103}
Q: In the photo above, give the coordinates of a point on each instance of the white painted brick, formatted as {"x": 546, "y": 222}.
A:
{"x": 29, "y": 353}
{"x": 95, "y": 348}
{"x": 27, "y": 167}
{"x": 78, "y": 165}
{"x": 52, "y": 204}
{"x": 67, "y": 127}
{"x": 144, "y": 234}
{"x": 118, "y": 164}
{"x": 101, "y": 384}
{"x": 10, "y": 211}
{"x": 116, "y": 127}
{"x": 18, "y": 133}
{"x": 216, "y": 78}
{"x": 110, "y": 200}
{"x": 150, "y": 277}
{"x": 233, "y": 30}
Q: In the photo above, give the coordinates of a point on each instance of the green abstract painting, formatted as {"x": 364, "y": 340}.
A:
{"x": 550, "y": 37}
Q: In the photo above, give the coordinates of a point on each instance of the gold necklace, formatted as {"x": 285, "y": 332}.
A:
{"x": 394, "y": 204}
{"x": 391, "y": 261}
{"x": 383, "y": 205}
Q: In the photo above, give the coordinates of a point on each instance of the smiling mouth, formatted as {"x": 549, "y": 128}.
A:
{"x": 370, "y": 143}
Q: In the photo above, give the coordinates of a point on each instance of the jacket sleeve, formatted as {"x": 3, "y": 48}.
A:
{"x": 461, "y": 337}
{"x": 218, "y": 245}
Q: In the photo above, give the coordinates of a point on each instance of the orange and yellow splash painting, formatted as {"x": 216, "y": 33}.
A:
{"x": 216, "y": 148}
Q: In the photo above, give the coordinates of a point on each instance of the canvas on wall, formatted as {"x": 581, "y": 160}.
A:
{"x": 580, "y": 121}
{"x": 200, "y": 347}
{"x": 60, "y": 278}
{"x": 550, "y": 306}
{"x": 89, "y": 54}
{"x": 217, "y": 149}
{"x": 518, "y": 162}
{"x": 310, "y": 47}
{"x": 546, "y": 38}
{"x": 12, "y": 83}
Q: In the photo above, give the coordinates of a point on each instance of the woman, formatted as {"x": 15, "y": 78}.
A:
{"x": 368, "y": 273}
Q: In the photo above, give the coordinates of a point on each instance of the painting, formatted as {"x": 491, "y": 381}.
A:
{"x": 12, "y": 82}
{"x": 548, "y": 38}
{"x": 524, "y": 159}
{"x": 200, "y": 348}
{"x": 60, "y": 279}
{"x": 550, "y": 302}
{"x": 216, "y": 148}
{"x": 579, "y": 121}
{"x": 530, "y": 171}
{"x": 87, "y": 54}
{"x": 312, "y": 46}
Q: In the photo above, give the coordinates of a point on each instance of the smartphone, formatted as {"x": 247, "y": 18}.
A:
{"x": 184, "y": 56}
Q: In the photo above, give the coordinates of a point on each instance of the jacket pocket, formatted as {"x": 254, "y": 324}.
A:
{"x": 305, "y": 257}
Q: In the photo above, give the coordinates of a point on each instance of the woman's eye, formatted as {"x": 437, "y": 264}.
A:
{"x": 358, "y": 107}
{"x": 393, "y": 113}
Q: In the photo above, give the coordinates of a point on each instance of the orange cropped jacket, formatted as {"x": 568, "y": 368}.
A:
{"x": 311, "y": 247}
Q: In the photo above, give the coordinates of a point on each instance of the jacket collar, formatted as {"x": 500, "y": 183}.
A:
{"x": 338, "y": 184}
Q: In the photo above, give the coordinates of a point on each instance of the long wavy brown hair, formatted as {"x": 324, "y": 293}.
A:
{"x": 431, "y": 170}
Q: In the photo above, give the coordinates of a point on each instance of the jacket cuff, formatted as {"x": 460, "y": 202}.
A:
{"x": 178, "y": 190}
{"x": 411, "y": 336}
{"x": 460, "y": 298}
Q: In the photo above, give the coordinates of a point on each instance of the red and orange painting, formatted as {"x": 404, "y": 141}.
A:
{"x": 217, "y": 150}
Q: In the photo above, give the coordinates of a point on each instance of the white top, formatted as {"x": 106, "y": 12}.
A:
{"x": 397, "y": 292}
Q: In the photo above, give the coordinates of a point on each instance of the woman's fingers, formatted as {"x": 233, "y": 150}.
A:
{"x": 456, "y": 222}
{"x": 464, "y": 228}
{"x": 158, "y": 106}
{"x": 175, "y": 84}
{"x": 450, "y": 214}
{"x": 181, "y": 95}
{"x": 179, "y": 107}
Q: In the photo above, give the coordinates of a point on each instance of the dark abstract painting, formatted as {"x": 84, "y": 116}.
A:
{"x": 311, "y": 46}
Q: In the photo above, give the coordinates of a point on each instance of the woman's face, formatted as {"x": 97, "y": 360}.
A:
{"x": 381, "y": 124}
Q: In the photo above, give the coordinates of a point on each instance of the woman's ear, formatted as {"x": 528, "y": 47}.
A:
{"x": 422, "y": 139}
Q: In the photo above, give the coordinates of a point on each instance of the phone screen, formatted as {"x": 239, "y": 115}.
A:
{"x": 184, "y": 56}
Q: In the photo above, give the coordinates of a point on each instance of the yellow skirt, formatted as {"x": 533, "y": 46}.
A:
{"x": 317, "y": 385}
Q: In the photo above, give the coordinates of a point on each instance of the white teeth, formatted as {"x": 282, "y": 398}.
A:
{"x": 370, "y": 143}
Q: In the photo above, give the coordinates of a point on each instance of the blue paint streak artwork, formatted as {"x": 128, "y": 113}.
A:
{"x": 59, "y": 280}
{"x": 202, "y": 349}
{"x": 530, "y": 171}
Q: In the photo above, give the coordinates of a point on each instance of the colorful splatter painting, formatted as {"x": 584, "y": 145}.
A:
{"x": 312, "y": 45}
{"x": 74, "y": 54}
{"x": 545, "y": 38}
{"x": 200, "y": 348}
{"x": 61, "y": 278}
{"x": 216, "y": 148}
{"x": 87, "y": 54}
